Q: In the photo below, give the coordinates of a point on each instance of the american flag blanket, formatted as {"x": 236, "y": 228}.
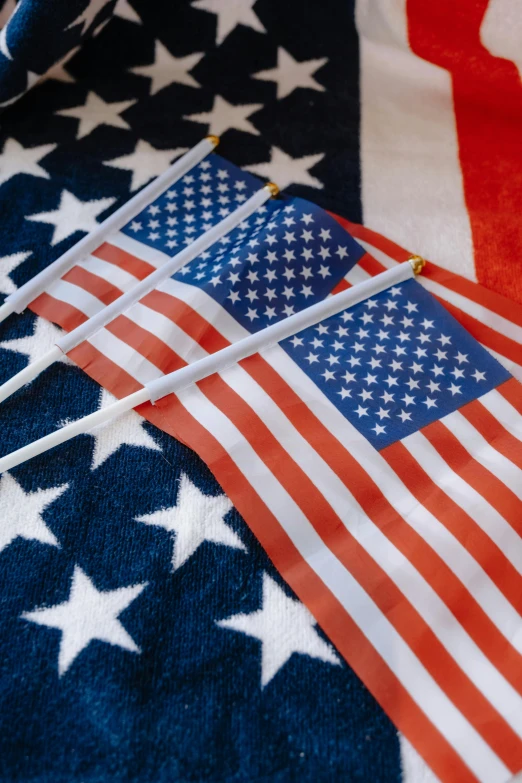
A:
{"x": 306, "y": 567}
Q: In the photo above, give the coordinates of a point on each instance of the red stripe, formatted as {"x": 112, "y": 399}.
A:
{"x": 457, "y": 521}
{"x": 93, "y": 284}
{"x": 146, "y": 344}
{"x": 390, "y": 600}
{"x": 491, "y": 429}
{"x": 371, "y": 265}
{"x": 187, "y": 319}
{"x": 65, "y": 315}
{"x": 485, "y": 483}
{"x": 132, "y": 264}
{"x": 342, "y": 285}
{"x": 103, "y": 370}
{"x": 333, "y": 619}
{"x": 512, "y": 391}
{"x": 488, "y": 111}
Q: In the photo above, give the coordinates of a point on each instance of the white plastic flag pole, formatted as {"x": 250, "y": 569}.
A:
{"x": 216, "y": 362}
{"x": 92, "y": 325}
{"x": 18, "y": 301}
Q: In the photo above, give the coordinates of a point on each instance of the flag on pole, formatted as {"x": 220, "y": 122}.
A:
{"x": 377, "y": 456}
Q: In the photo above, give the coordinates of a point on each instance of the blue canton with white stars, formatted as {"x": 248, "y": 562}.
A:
{"x": 193, "y": 205}
{"x": 289, "y": 255}
{"x": 395, "y": 363}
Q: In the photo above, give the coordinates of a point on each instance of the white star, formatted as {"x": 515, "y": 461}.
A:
{"x": 87, "y": 16}
{"x": 88, "y": 614}
{"x": 429, "y": 403}
{"x": 454, "y": 389}
{"x": 22, "y": 515}
{"x": 444, "y": 339}
{"x": 404, "y": 416}
{"x": 72, "y": 215}
{"x": 167, "y": 69}
{"x": 461, "y": 357}
{"x": 145, "y": 162}
{"x": 125, "y": 430}
{"x": 479, "y": 376}
{"x": 289, "y": 74}
{"x": 7, "y": 265}
{"x": 224, "y": 115}
{"x": 229, "y": 14}
{"x": 15, "y": 159}
{"x": 285, "y": 170}
{"x": 35, "y": 345}
{"x": 125, "y": 11}
{"x": 379, "y": 429}
{"x": 360, "y": 411}
{"x": 284, "y": 627}
{"x": 194, "y": 519}
{"x": 58, "y": 71}
{"x": 95, "y": 111}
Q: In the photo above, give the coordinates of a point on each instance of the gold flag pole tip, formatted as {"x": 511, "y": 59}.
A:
{"x": 213, "y": 140}
{"x": 417, "y": 264}
{"x": 272, "y": 188}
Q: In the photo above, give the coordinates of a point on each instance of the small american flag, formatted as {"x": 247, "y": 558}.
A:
{"x": 377, "y": 457}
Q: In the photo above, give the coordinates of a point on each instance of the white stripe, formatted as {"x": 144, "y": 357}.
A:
{"x": 509, "y": 364}
{"x": 497, "y": 322}
{"x": 417, "y": 591}
{"x": 456, "y": 557}
{"x": 504, "y": 412}
{"x": 113, "y": 274}
{"x": 77, "y": 297}
{"x": 468, "y": 499}
{"x": 124, "y": 356}
{"x": 207, "y": 307}
{"x": 151, "y": 255}
{"x": 166, "y": 331}
{"x": 411, "y": 180}
{"x": 356, "y": 275}
{"x": 383, "y": 258}
{"x": 484, "y": 453}
{"x": 374, "y": 625}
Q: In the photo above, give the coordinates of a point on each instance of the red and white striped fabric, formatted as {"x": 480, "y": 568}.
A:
{"x": 441, "y": 110}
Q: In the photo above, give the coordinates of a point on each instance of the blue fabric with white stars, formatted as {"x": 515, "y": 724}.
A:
{"x": 188, "y": 704}
{"x": 395, "y": 363}
{"x": 286, "y": 257}
{"x": 206, "y": 195}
